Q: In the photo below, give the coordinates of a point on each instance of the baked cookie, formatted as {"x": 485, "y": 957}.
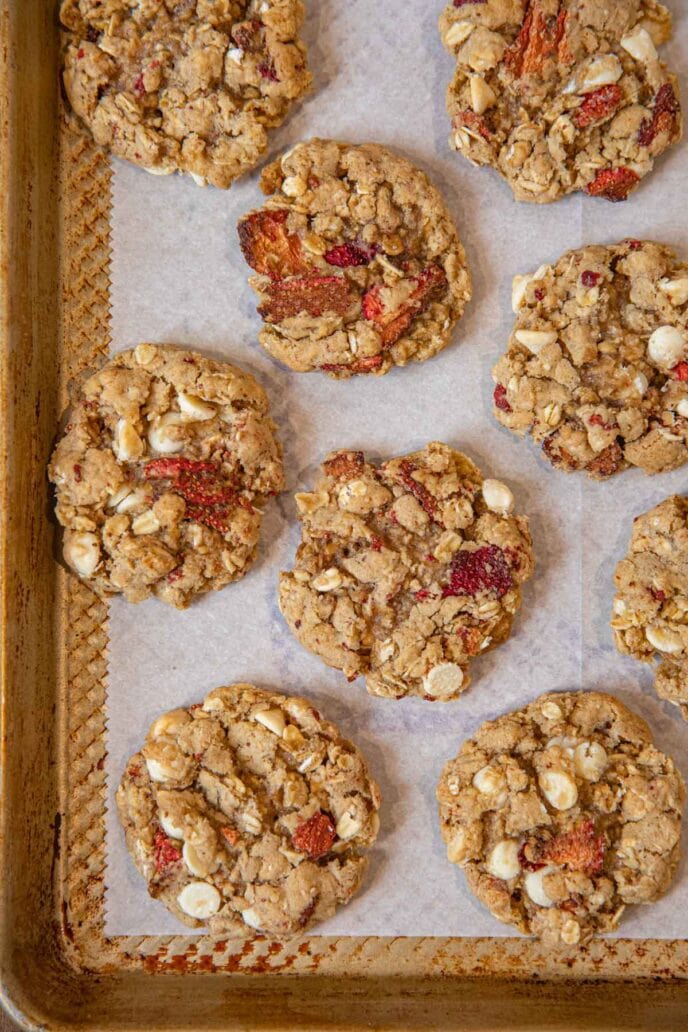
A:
{"x": 249, "y": 813}
{"x": 597, "y": 364}
{"x": 561, "y": 814}
{"x": 561, "y": 95}
{"x": 184, "y": 85}
{"x": 358, "y": 263}
{"x": 407, "y": 570}
{"x": 162, "y": 473}
{"x": 651, "y": 601}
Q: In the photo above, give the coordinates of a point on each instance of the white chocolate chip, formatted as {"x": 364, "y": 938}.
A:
{"x": 354, "y": 489}
{"x": 198, "y": 180}
{"x": 127, "y": 445}
{"x": 667, "y": 346}
{"x": 602, "y": 71}
{"x": 160, "y": 171}
{"x": 664, "y": 639}
{"x": 144, "y": 353}
{"x": 195, "y": 408}
{"x": 157, "y": 771}
{"x": 194, "y": 862}
{"x": 640, "y": 46}
{"x": 619, "y": 606}
{"x": 519, "y": 286}
{"x": 251, "y": 918}
{"x": 443, "y": 680}
{"x": 386, "y": 650}
{"x": 552, "y": 711}
{"x": 145, "y": 523}
{"x": 310, "y": 763}
{"x": 328, "y": 580}
{"x": 294, "y": 186}
{"x": 458, "y": 33}
{"x": 559, "y": 789}
{"x": 536, "y": 340}
{"x": 590, "y": 759}
{"x": 503, "y": 860}
{"x": 682, "y": 408}
{"x": 199, "y": 899}
{"x": 676, "y": 290}
{"x": 456, "y": 848}
{"x": 497, "y": 496}
{"x": 273, "y": 719}
{"x": 482, "y": 95}
{"x": 167, "y": 825}
{"x": 534, "y": 884}
{"x": 641, "y": 383}
{"x": 570, "y": 932}
{"x": 169, "y": 723}
{"x": 82, "y": 553}
{"x": 160, "y": 438}
{"x": 235, "y": 54}
{"x": 564, "y": 743}
{"x": 491, "y": 782}
{"x": 348, "y": 825}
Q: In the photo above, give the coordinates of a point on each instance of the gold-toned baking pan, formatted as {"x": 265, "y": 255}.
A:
{"x": 59, "y": 970}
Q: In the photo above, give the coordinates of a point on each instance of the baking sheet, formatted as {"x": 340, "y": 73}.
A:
{"x": 178, "y": 276}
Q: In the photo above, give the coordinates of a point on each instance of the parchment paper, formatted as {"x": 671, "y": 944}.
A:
{"x": 178, "y": 276}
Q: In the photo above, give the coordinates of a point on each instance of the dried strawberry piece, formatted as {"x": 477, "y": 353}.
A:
{"x": 139, "y": 86}
{"x": 500, "y": 398}
{"x": 364, "y": 365}
{"x": 314, "y": 295}
{"x": 614, "y": 184}
{"x": 266, "y": 69}
{"x": 634, "y": 245}
{"x": 580, "y": 849}
{"x": 430, "y": 283}
{"x": 165, "y": 853}
{"x": 230, "y": 835}
{"x": 351, "y": 254}
{"x": 486, "y": 569}
{"x": 540, "y": 38}
{"x": 539, "y": 294}
{"x": 607, "y": 462}
{"x": 174, "y": 575}
{"x": 658, "y": 595}
{"x": 209, "y": 500}
{"x": 267, "y": 246}
{"x": 315, "y": 836}
{"x": 345, "y": 465}
{"x": 597, "y": 420}
{"x": 169, "y": 469}
{"x": 680, "y": 372}
{"x": 599, "y": 104}
{"x": 590, "y": 279}
{"x": 246, "y": 34}
{"x": 470, "y": 120}
{"x": 420, "y": 493}
{"x": 664, "y": 116}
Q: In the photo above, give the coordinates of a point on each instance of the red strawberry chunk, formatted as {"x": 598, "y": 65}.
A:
{"x": 486, "y": 569}
{"x": 364, "y": 365}
{"x": 315, "y": 836}
{"x": 164, "y": 851}
{"x": 470, "y": 120}
{"x": 500, "y": 398}
{"x": 664, "y": 116}
{"x": 267, "y": 246}
{"x": 314, "y": 295}
{"x": 540, "y": 38}
{"x": 351, "y": 254}
{"x": 597, "y": 105}
{"x": 580, "y": 849}
{"x": 680, "y": 372}
{"x": 614, "y": 184}
{"x": 392, "y": 325}
{"x": 345, "y": 465}
{"x": 421, "y": 493}
{"x": 590, "y": 279}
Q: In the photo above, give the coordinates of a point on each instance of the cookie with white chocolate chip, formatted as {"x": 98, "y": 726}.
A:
{"x": 596, "y": 369}
{"x": 249, "y": 813}
{"x": 407, "y": 570}
{"x": 650, "y": 615}
{"x": 162, "y": 473}
{"x": 561, "y": 95}
{"x": 185, "y": 85}
{"x": 561, "y": 814}
{"x": 358, "y": 265}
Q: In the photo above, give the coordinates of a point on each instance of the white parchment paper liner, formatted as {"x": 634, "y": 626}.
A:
{"x": 178, "y": 276}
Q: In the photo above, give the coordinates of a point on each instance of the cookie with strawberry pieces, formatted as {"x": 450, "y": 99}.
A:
{"x": 357, "y": 263}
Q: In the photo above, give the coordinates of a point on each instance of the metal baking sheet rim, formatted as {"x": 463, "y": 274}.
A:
{"x": 58, "y": 970}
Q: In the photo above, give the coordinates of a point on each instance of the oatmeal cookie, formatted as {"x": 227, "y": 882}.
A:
{"x": 597, "y": 364}
{"x": 184, "y": 85}
{"x": 249, "y": 813}
{"x": 561, "y": 814}
{"x": 651, "y": 602}
{"x": 561, "y": 95}
{"x": 162, "y": 473}
{"x": 407, "y": 570}
{"x": 358, "y": 263}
